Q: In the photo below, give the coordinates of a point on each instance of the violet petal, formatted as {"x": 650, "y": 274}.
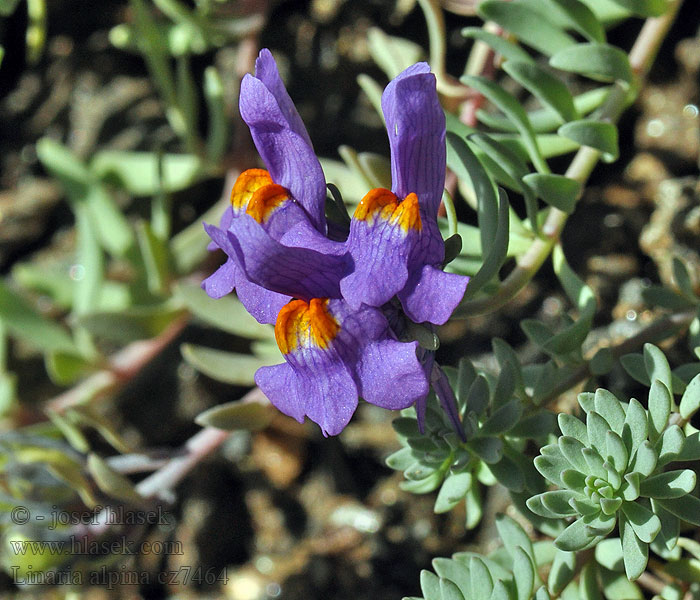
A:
{"x": 286, "y": 152}
{"x": 432, "y": 295}
{"x": 298, "y": 272}
{"x": 415, "y": 123}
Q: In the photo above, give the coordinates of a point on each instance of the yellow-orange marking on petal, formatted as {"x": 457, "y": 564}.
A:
{"x": 377, "y": 203}
{"x": 265, "y": 200}
{"x": 381, "y": 203}
{"x": 407, "y": 214}
{"x": 246, "y": 185}
{"x": 305, "y": 325}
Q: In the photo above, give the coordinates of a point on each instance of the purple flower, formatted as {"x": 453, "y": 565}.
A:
{"x": 394, "y": 239}
{"x": 290, "y": 197}
{"x": 329, "y": 299}
{"x": 333, "y": 355}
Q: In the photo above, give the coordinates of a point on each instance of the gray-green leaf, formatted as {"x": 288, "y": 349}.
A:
{"x": 556, "y": 190}
{"x": 599, "y": 135}
{"x": 635, "y": 552}
{"x": 548, "y": 88}
{"x": 529, "y": 25}
{"x": 600, "y": 62}
{"x": 671, "y": 484}
{"x": 229, "y": 367}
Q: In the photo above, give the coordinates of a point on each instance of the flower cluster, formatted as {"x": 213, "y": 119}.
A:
{"x": 332, "y": 301}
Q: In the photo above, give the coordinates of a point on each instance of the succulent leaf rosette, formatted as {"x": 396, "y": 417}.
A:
{"x": 521, "y": 570}
{"x": 610, "y": 472}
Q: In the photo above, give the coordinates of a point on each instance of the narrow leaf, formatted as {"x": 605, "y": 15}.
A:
{"x": 505, "y": 48}
{"x": 646, "y": 524}
{"x": 690, "y": 401}
{"x": 524, "y": 574}
{"x": 504, "y": 418}
{"x": 556, "y": 190}
{"x": 684, "y": 281}
{"x": 136, "y": 323}
{"x": 573, "y": 427}
{"x": 462, "y": 160}
{"x": 452, "y": 491}
{"x": 236, "y": 369}
{"x": 595, "y": 134}
{"x": 670, "y": 484}
{"x": 575, "y": 537}
{"x": 659, "y": 407}
{"x": 506, "y": 102}
{"x": 635, "y": 552}
{"x": 112, "y": 483}
{"x": 686, "y": 508}
{"x": 644, "y": 8}
{"x": 600, "y": 62}
{"x": 562, "y": 571}
{"x": 497, "y": 253}
{"x": 547, "y": 88}
{"x": 581, "y": 19}
{"x": 237, "y": 415}
{"x": 657, "y": 366}
{"x": 529, "y": 25}
{"x": 635, "y": 428}
{"x": 22, "y": 321}
{"x": 227, "y": 313}
{"x": 608, "y": 406}
{"x": 670, "y": 444}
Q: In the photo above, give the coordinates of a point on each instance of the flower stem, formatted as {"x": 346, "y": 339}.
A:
{"x": 444, "y": 393}
{"x": 171, "y": 473}
{"x": 438, "y": 49}
{"x": 641, "y": 58}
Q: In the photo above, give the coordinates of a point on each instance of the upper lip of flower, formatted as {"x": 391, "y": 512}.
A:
{"x": 286, "y": 149}
{"x": 281, "y": 138}
{"x": 415, "y": 124}
{"x": 394, "y": 239}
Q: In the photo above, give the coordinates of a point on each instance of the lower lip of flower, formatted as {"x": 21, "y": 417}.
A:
{"x": 305, "y": 325}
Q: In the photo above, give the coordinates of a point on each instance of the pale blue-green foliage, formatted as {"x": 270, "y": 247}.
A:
{"x": 612, "y": 470}
{"x": 523, "y": 570}
{"x": 496, "y": 426}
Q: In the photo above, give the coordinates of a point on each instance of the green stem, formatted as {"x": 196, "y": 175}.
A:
{"x": 438, "y": 49}
{"x": 36, "y": 30}
{"x": 450, "y": 212}
{"x": 641, "y": 58}
{"x": 3, "y": 347}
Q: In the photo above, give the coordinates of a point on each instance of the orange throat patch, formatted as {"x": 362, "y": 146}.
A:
{"x": 305, "y": 325}
{"x": 246, "y": 185}
{"x": 381, "y": 203}
{"x": 265, "y": 201}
